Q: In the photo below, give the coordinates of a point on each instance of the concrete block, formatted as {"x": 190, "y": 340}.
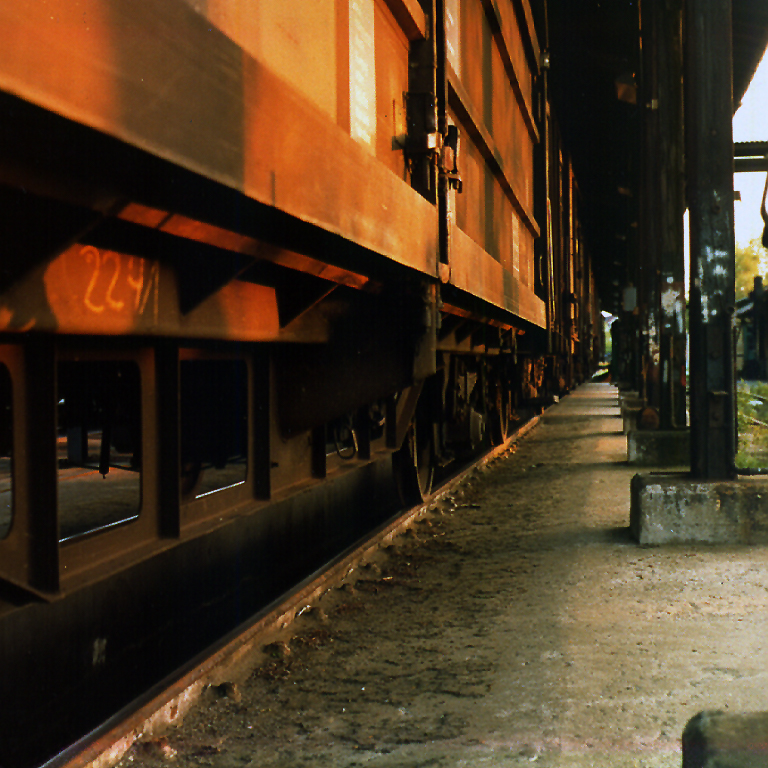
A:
{"x": 725, "y": 740}
{"x": 630, "y": 400}
{"x": 630, "y": 404}
{"x": 629, "y": 416}
{"x": 675, "y": 509}
{"x": 659, "y": 448}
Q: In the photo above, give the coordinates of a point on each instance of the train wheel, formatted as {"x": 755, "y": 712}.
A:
{"x": 414, "y": 462}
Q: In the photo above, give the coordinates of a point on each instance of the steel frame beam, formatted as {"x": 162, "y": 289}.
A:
{"x": 750, "y": 156}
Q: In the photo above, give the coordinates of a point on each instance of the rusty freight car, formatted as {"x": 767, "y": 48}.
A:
{"x": 259, "y": 259}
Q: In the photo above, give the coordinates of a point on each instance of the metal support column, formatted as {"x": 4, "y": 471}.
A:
{"x": 668, "y": 104}
{"x": 709, "y": 164}
{"x": 651, "y": 205}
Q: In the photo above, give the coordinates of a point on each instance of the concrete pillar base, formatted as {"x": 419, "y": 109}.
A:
{"x": 721, "y": 740}
{"x": 675, "y": 509}
{"x": 630, "y": 405}
{"x": 629, "y": 418}
{"x": 659, "y": 448}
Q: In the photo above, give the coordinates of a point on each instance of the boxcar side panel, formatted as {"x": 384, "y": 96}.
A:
{"x": 161, "y": 77}
{"x": 290, "y": 37}
{"x": 489, "y": 99}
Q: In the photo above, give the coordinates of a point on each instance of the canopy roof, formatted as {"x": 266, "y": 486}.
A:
{"x": 595, "y": 52}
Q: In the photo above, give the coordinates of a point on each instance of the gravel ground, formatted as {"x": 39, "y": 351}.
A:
{"x": 517, "y": 624}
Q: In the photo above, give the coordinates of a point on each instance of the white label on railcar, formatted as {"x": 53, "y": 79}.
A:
{"x": 452, "y": 35}
{"x": 362, "y": 72}
{"x": 516, "y": 247}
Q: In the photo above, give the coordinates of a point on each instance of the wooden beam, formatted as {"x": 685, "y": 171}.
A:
{"x": 504, "y": 34}
{"x": 410, "y": 17}
{"x": 530, "y": 39}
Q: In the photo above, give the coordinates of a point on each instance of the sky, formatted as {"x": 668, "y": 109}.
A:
{"x": 750, "y": 123}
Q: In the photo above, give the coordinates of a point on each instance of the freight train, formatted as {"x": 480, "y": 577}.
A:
{"x": 261, "y": 263}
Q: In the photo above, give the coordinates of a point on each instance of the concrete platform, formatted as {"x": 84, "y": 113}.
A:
{"x": 518, "y": 626}
{"x": 659, "y": 448}
{"x": 674, "y": 509}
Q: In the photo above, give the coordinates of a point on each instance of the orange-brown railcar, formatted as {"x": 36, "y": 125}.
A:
{"x": 251, "y": 249}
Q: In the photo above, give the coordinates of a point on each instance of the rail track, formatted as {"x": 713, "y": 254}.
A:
{"x": 166, "y": 703}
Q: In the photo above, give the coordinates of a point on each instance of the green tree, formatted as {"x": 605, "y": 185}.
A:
{"x": 747, "y": 266}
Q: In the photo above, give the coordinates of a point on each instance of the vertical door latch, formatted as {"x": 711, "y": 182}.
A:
{"x": 450, "y": 158}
